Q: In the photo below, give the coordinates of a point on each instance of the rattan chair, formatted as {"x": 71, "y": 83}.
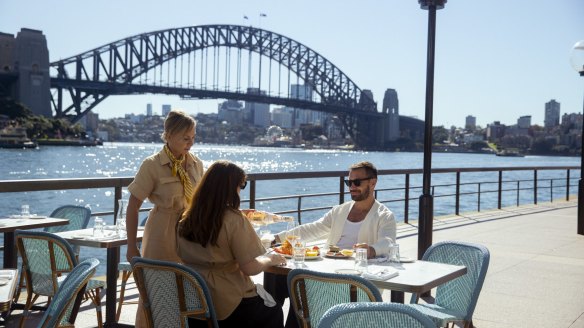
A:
{"x": 456, "y": 300}
{"x": 313, "y": 293}
{"x": 126, "y": 271}
{"x": 65, "y": 304}
{"x": 46, "y": 259}
{"x": 366, "y": 315}
{"x": 78, "y": 217}
{"x": 172, "y": 293}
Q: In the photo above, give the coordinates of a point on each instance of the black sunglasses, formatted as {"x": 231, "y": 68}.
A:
{"x": 243, "y": 185}
{"x": 356, "y": 182}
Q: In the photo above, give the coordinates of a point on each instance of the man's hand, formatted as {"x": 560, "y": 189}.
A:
{"x": 370, "y": 250}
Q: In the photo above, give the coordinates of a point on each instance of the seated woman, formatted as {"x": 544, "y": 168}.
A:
{"x": 216, "y": 240}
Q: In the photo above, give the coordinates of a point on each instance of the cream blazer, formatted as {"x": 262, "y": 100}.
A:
{"x": 378, "y": 229}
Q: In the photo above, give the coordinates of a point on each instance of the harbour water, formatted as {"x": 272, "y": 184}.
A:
{"x": 124, "y": 159}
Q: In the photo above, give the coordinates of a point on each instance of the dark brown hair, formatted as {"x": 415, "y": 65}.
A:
{"x": 368, "y": 166}
{"x": 215, "y": 194}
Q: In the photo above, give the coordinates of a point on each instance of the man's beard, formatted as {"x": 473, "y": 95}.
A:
{"x": 362, "y": 196}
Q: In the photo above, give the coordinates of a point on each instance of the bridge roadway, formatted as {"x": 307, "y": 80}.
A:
{"x": 535, "y": 276}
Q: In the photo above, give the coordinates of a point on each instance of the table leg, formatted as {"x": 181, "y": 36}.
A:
{"x": 10, "y": 258}
{"x": 397, "y": 296}
{"x": 113, "y": 257}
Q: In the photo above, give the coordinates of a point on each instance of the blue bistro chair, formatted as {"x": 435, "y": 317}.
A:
{"x": 313, "y": 293}
{"x": 78, "y": 217}
{"x": 172, "y": 293}
{"x": 456, "y": 300}
{"x": 126, "y": 268}
{"x": 366, "y": 315}
{"x": 65, "y": 304}
{"x": 47, "y": 258}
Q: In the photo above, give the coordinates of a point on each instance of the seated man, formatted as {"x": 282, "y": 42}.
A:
{"x": 361, "y": 222}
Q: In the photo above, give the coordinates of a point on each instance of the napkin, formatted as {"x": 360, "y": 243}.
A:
{"x": 380, "y": 273}
{"x": 268, "y": 299}
{"x": 6, "y": 275}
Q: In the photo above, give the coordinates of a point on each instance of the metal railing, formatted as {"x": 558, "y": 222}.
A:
{"x": 454, "y": 190}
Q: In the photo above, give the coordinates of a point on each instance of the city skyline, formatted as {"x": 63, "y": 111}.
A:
{"x": 496, "y": 61}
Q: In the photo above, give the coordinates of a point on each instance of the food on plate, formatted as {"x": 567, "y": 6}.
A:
{"x": 347, "y": 252}
{"x": 286, "y": 249}
{"x": 334, "y": 249}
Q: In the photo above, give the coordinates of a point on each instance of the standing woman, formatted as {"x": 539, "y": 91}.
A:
{"x": 168, "y": 180}
{"x": 216, "y": 240}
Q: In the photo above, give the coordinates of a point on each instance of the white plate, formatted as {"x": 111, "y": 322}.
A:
{"x": 306, "y": 258}
{"x": 80, "y": 236}
{"x": 36, "y": 217}
{"x": 407, "y": 259}
{"x": 348, "y": 271}
{"x": 4, "y": 281}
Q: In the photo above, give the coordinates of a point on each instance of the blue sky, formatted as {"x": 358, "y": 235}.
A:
{"x": 496, "y": 60}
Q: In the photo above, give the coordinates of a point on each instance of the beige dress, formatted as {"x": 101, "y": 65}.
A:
{"x": 154, "y": 181}
{"x": 219, "y": 265}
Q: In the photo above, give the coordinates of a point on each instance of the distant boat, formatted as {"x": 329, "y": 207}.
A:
{"x": 510, "y": 153}
{"x": 11, "y": 137}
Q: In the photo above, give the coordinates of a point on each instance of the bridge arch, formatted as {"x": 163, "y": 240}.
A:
{"x": 81, "y": 82}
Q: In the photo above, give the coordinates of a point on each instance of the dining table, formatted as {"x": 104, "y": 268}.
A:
{"x": 8, "y": 283}
{"x": 112, "y": 243}
{"x": 413, "y": 276}
{"x": 9, "y": 225}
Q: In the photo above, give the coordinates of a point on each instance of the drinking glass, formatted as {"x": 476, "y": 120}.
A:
{"x": 394, "y": 253}
{"x": 292, "y": 236}
{"x": 299, "y": 251}
{"x": 121, "y": 219}
{"x": 266, "y": 237}
{"x": 361, "y": 259}
{"x": 98, "y": 227}
{"x": 25, "y": 210}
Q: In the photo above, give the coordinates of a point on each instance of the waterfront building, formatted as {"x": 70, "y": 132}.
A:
{"x": 24, "y": 72}
{"x": 552, "y": 114}
{"x": 90, "y": 122}
{"x": 470, "y": 123}
{"x": 230, "y": 111}
{"x": 165, "y": 110}
{"x": 283, "y": 117}
{"x": 495, "y": 131}
{"x": 524, "y": 122}
{"x": 148, "y": 109}
{"x": 391, "y": 108}
{"x": 256, "y": 113}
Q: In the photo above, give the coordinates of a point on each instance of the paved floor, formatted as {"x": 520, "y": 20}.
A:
{"x": 535, "y": 278}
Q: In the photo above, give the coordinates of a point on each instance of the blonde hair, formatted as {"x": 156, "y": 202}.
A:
{"x": 177, "y": 121}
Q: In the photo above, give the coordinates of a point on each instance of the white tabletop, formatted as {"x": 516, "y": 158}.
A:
{"x": 9, "y": 224}
{"x": 84, "y": 237}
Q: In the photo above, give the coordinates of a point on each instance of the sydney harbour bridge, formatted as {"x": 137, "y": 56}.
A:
{"x": 215, "y": 62}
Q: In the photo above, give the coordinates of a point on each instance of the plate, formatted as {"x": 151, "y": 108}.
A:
{"x": 348, "y": 271}
{"x": 37, "y": 217}
{"x": 404, "y": 259}
{"x": 4, "y": 281}
{"x": 306, "y": 258}
{"x": 337, "y": 255}
{"x": 80, "y": 236}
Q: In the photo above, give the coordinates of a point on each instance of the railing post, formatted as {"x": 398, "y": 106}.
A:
{"x": 518, "y": 186}
{"x": 407, "y": 199}
{"x": 535, "y": 187}
{"x": 341, "y": 190}
{"x": 551, "y": 190}
{"x": 568, "y": 185}
{"x": 500, "y": 191}
{"x": 252, "y": 193}
{"x": 457, "y": 202}
{"x": 299, "y": 209}
{"x": 479, "y": 199}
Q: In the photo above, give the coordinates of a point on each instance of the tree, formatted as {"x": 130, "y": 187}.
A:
{"x": 439, "y": 135}
{"x": 13, "y": 109}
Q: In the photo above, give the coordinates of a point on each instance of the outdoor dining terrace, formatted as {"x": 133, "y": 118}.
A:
{"x": 536, "y": 270}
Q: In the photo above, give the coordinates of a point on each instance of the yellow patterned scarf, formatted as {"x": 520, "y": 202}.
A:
{"x": 176, "y": 167}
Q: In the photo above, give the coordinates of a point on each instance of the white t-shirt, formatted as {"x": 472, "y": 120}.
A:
{"x": 349, "y": 235}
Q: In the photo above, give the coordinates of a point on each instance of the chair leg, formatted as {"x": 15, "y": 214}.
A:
{"x": 96, "y": 300}
{"x": 27, "y": 306}
{"x": 125, "y": 276}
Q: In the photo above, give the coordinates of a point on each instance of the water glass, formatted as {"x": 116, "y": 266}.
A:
{"x": 25, "y": 210}
{"x": 361, "y": 259}
{"x": 394, "y": 253}
{"x": 121, "y": 219}
{"x": 299, "y": 251}
{"x": 98, "y": 227}
{"x": 266, "y": 237}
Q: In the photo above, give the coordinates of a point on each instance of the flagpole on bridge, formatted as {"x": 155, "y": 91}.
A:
{"x": 426, "y": 203}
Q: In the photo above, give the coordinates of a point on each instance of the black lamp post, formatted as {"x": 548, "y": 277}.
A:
{"x": 426, "y": 212}
{"x": 577, "y": 60}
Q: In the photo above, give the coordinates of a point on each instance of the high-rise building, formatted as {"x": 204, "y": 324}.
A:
{"x": 165, "y": 110}
{"x": 230, "y": 111}
{"x": 282, "y": 117}
{"x": 305, "y": 116}
{"x": 148, "y": 109}
{"x": 552, "y": 114}
{"x": 470, "y": 123}
{"x": 391, "y": 107}
{"x": 524, "y": 122}
{"x": 257, "y": 113}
